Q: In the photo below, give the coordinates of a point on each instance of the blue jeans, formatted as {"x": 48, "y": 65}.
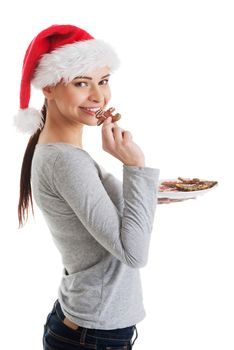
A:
{"x": 58, "y": 336}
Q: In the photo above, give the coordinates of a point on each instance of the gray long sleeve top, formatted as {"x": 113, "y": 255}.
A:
{"x": 102, "y": 228}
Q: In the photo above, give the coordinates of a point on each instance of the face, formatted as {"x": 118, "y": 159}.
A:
{"x": 77, "y": 102}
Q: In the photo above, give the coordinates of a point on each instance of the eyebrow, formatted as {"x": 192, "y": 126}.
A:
{"x": 83, "y": 77}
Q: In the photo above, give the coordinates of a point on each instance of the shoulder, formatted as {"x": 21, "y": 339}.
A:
{"x": 66, "y": 154}
{"x": 61, "y": 157}
{"x": 62, "y": 152}
{"x": 67, "y": 159}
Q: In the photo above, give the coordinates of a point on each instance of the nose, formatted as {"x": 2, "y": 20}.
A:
{"x": 96, "y": 94}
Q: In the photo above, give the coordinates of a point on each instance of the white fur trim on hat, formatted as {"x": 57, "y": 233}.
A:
{"x": 72, "y": 60}
{"x": 28, "y": 120}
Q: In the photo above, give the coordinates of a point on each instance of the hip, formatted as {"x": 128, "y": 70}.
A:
{"x": 60, "y": 333}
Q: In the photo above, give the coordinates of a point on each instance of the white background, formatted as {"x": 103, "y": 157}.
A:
{"x": 175, "y": 93}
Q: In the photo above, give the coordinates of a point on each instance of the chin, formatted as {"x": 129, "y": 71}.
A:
{"x": 89, "y": 122}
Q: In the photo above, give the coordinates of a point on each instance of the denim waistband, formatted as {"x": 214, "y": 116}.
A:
{"x": 94, "y": 332}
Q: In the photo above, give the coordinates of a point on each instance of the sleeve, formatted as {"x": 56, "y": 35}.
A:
{"x": 113, "y": 186}
{"x": 126, "y": 237}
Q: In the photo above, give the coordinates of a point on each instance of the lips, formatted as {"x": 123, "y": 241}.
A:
{"x": 90, "y": 110}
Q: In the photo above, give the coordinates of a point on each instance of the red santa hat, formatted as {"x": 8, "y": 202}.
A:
{"x": 58, "y": 52}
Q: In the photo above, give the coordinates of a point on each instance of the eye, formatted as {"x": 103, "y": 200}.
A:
{"x": 104, "y": 82}
{"x": 81, "y": 84}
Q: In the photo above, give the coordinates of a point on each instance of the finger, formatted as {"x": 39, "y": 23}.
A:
{"x": 164, "y": 200}
{"x": 118, "y": 134}
{"x": 107, "y": 121}
{"x": 107, "y": 134}
{"x": 184, "y": 199}
{"x": 127, "y": 136}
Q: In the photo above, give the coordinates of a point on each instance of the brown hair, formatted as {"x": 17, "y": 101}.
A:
{"x": 25, "y": 198}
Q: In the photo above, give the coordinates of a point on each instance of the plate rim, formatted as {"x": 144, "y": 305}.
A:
{"x": 182, "y": 194}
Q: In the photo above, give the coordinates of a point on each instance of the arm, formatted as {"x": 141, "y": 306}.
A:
{"x": 76, "y": 180}
{"x": 114, "y": 188}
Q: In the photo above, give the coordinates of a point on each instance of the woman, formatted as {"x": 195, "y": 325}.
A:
{"x": 101, "y": 226}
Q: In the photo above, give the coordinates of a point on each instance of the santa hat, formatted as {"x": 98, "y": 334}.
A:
{"x": 58, "y": 52}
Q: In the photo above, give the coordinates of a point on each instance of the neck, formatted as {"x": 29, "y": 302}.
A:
{"x": 59, "y": 130}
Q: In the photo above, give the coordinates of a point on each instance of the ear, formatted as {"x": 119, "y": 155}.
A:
{"x": 48, "y": 92}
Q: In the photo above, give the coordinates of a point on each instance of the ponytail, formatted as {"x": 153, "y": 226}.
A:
{"x": 25, "y": 198}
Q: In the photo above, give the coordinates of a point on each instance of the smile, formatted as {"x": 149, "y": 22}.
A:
{"x": 90, "y": 110}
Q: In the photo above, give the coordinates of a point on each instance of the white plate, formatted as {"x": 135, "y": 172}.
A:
{"x": 182, "y": 194}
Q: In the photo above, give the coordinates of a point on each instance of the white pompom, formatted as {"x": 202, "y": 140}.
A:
{"x": 28, "y": 120}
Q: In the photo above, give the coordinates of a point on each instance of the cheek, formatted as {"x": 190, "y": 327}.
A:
{"x": 107, "y": 94}
{"x": 68, "y": 99}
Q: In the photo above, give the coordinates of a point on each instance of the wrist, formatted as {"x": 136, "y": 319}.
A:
{"x": 137, "y": 164}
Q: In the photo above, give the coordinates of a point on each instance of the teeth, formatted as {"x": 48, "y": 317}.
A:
{"x": 93, "y": 109}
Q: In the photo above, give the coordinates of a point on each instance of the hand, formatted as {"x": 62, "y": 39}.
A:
{"x": 119, "y": 143}
{"x": 170, "y": 200}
